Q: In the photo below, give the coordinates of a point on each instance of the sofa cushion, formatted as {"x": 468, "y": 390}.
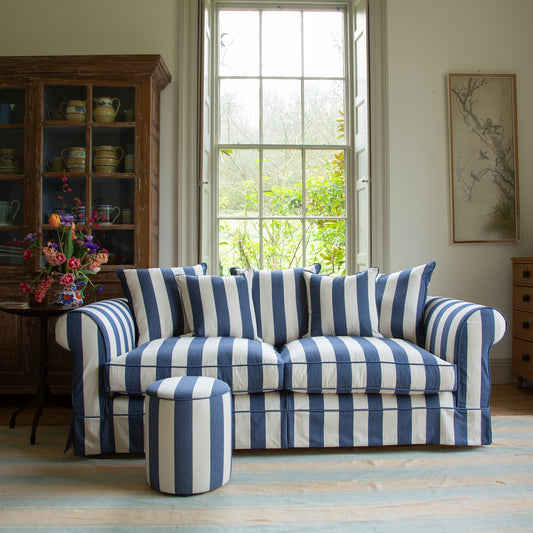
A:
{"x": 219, "y": 306}
{"x": 245, "y": 365}
{"x": 400, "y": 298}
{"x": 364, "y": 365}
{"x": 154, "y": 300}
{"x": 342, "y": 305}
{"x": 280, "y": 303}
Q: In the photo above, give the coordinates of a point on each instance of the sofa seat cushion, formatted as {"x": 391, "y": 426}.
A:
{"x": 245, "y": 365}
{"x": 364, "y": 365}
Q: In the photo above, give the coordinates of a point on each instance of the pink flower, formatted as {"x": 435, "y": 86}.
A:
{"x": 42, "y": 288}
{"x": 73, "y": 263}
{"x": 60, "y": 258}
{"x": 66, "y": 279}
{"x": 25, "y": 288}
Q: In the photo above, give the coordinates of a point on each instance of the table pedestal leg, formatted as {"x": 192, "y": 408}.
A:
{"x": 43, "y": 390}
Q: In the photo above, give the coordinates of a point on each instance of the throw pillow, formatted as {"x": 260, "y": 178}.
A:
{"x": 154, "y": 300}
{"x": 280, "y": 303}
{"x": 344, "y": 305}
{"x": 219, "y": 306}
{"x": 401, "y": 298}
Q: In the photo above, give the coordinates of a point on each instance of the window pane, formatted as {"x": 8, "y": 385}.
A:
{"x": 238, "y": 43}
{"x": 325, "y": 183}
{"x": 238, "y": 188}
{"x": 239, "y": 111}
{"x": 326, "y": 244}
{"x": 282, "y": 244}
{"x": 282, "y": 182}
{"x": 282, "y": 112}
{"x": 323, "y": 44}
{"x": 323, "y": 111}
{"x": 281, "y": 46}
{"x": 238, "y": 245}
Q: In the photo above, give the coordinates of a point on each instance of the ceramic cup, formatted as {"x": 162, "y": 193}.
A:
{"x": 105, "y": 108}
{"x": 128, "y": 163}
{"x": 74, "y": 110}
{"x": 79, "y": 214}
{"x": 107, "y": 212}
{"x": 127, "y": 216}
{"x": 55, "y": 164}
{"x": 8, "y": 212}
{"x": 6, "y": 113}
{"x": 74, "y": 159}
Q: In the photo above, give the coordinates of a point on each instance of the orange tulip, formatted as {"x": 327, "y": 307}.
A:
{"x": 54, "y": 220}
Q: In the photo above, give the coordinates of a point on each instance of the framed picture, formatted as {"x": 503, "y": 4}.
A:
{"x": 484, "y": 158}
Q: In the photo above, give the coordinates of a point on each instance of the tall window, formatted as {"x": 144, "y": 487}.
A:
{"x": 283, "y": 146}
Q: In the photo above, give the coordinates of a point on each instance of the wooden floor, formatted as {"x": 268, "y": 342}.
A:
{"x": 506, "y": 400}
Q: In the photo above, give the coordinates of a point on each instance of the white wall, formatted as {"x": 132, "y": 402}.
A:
{"x": 61, "y": 27}
{"x": 427, "y": 39}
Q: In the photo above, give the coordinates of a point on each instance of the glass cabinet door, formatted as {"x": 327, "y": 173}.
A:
{"x": 12, "y": 114}
{"x": 89, "y": 134}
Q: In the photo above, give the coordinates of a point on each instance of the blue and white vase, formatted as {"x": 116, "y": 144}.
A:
{"x": 68, "y": 296}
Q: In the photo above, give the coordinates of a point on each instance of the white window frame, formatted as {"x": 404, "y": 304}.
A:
{"x": 356, "y": 167}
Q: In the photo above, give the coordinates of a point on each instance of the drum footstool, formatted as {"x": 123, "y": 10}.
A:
{"x": 188, "y": 434}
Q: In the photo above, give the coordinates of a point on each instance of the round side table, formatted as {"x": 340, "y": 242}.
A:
{"x": 43, "y": 389}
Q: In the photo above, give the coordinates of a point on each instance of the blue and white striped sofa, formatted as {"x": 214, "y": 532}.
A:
{"x": 423, "y": 378}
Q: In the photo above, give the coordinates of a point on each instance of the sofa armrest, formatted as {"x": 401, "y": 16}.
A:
{"x": 463, "y": 333}
{"x": 94, "y": 334}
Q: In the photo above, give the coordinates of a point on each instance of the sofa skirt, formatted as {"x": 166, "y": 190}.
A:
{"x": 284, "y": 419}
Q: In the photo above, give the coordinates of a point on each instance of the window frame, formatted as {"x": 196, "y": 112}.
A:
{"x": 209, "y": 238}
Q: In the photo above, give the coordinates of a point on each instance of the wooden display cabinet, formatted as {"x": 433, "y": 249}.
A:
{"x": 42, "y": 120}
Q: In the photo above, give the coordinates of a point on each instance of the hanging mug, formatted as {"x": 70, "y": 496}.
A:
{"x": 75, "y": 158}
{"x": 106, "y": 212}
{"x": 55, "y": 164}
{"x": 74, "y": 110}
{"x": 8, "y": 212}
{"x": 105, "y": 108}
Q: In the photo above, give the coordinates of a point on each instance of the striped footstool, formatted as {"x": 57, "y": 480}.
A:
{"x": 188, "y": 434}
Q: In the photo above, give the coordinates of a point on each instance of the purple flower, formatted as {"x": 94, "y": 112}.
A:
{"x": 99, "y": 289}
{"x": 66, "y": 219}
{"x": 54, "y": 245}
{"x": 80, "y": 284}
{"x": 30, "y": 237}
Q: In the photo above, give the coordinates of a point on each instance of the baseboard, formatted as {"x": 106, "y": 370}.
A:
{"x": 500, "y": 369}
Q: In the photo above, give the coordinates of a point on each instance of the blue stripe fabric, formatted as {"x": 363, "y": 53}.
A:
{"x": 343, "y": 305}
{"x": 207, "y": 301}
{"x": 188, "y": 437}
{"x": 280, "y": 303}
{"x": 400, "y": 301}
{"x": 364, "y": 364}
{"x": 246, "y": 365}
{"x": 154, "y": 300}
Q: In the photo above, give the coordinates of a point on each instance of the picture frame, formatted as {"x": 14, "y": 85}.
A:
{"x": 483, "y": 158}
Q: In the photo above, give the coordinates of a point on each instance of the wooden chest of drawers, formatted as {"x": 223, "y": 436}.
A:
{"x": 522, "y": 364}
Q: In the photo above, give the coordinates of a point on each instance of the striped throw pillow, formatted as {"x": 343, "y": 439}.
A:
{"x": 154, "y": 300}
{"x": 219, "y": 306}
{"x": 344, "y": 305}
{"x": 280, "y": 302}
{"x": 401, "y": 297}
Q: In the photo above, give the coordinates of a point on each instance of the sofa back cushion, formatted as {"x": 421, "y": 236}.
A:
{"x": 219, "y": 306}
{"x": 280, "y": 303}
{"x": 401, "y": 298}
{"x": 343, "y": 305}
{"x": 154, "y": 299}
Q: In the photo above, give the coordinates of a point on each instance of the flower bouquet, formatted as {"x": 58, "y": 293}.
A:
{"x": 71, "y": 257}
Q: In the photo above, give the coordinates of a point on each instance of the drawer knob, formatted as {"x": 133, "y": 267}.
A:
{"x": 525, "y": 274}
{"x": 525, "y": 297}
{"x": 525, "y": 324}
{"x": 525, "y": 357}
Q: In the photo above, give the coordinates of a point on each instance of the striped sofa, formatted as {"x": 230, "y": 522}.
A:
{"x": 312, "y": 361}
